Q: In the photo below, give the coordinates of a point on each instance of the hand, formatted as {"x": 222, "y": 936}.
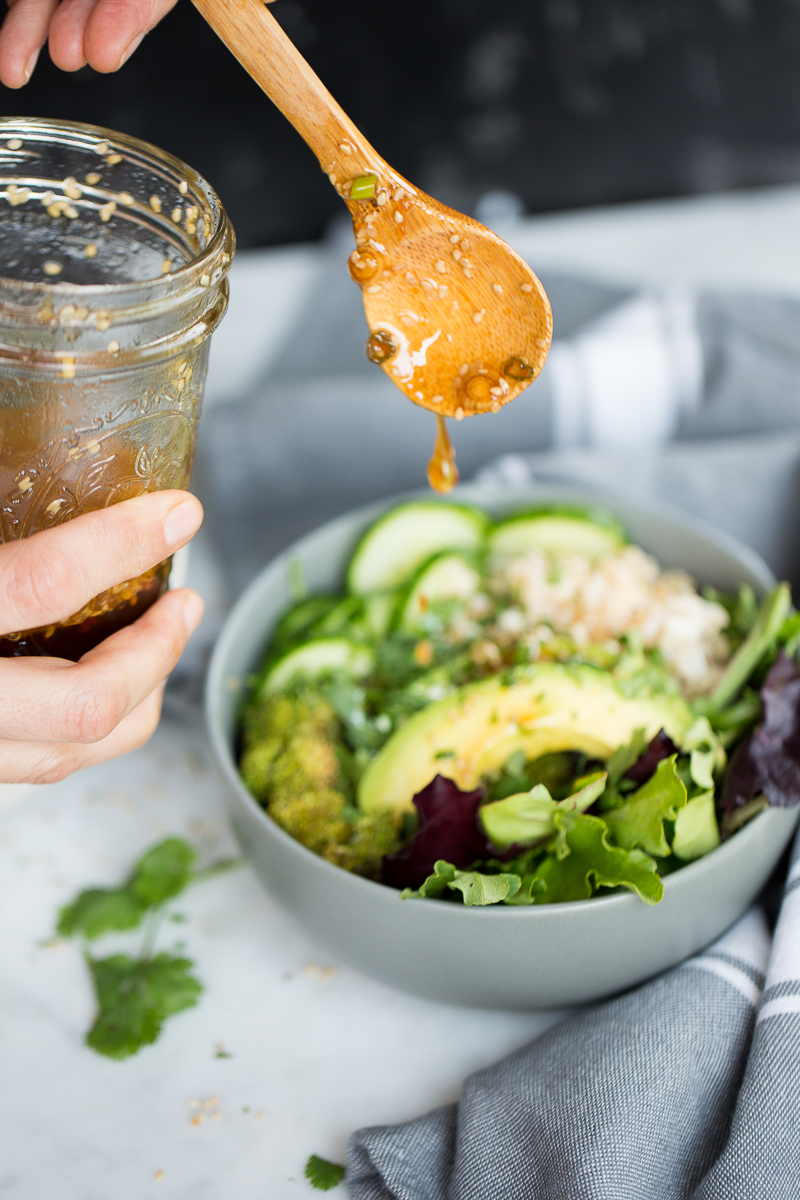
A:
{"x": 102, "y": 33}
{"x": 57, "y": 716}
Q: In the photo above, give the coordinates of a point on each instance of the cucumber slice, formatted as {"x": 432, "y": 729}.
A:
{"x": 573, "y": 531}
{"x": 297, "y": 622}
{"x": 447, "y": 576}
{"x": 328, "y": 656}
{"x": 379, "y": 610}
{"x": 406, "y": 537}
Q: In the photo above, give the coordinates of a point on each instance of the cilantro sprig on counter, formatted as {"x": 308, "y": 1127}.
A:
{"x": 322, "y": 1174}
{"x": 135, "y": 995}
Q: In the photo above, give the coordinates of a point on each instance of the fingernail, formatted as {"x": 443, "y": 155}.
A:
{"x": 133, "y": 46}
{"x": 31, "y": 63}
{"x": 193, "y": 609}
{"x": 182, "y": 522}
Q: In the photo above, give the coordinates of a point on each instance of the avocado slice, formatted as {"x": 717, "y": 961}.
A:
{"x": 537, "y": 709}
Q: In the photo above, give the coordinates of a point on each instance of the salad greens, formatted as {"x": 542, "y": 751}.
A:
{"x": 430, "y": 619}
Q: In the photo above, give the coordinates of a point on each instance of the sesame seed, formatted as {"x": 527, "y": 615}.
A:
{"x": 108, "y": 210}
{"x": 437, "y": 399}
{"x": 459, "y": 413}
{"x": 526, "y": 287}
{"x": 411, "y": 277}
{"x": 455, "y": 239}
{"x": 191, "y": 228}
{"x": 382, "y": 197}
{"x": 398, "y": 194}
{"x": 466, "y": 265}
{"x": 183, "y": 187}
{"x": 462, "y": 370}
{"x": 166, "y": 266}
{"x": 375, "y": 287}
{"x": 495, "y": 406}
{"x": 82, "y": 312}
{"x": 70, "y": 211}
{"x": 92, "y": 178}
{"x": 90, "y": 250}
{"x": 440, "y": 267}
{"x": 55, "y": 210}
{"x": 101, "y": 148}
{"x": 442, "y": 291}
{"x": 113, "y": 347}
{"x": 71, "y": 189}
{"x": 345, "y": 148}
{"x": 18, "y": 195}
{"x": 155, "y": 203}
{"x": 125, "y": 198}
{"x": 427, "y": 285}
{"x": 113, "y": 159}
{"x": 177, "y": 214}
{"x": 159, "y": 1175}
{"x": 192, "y": 212}
{"x": 260, "y": 1115}
{"x": 464, "y": 244}
{"x": 456, "y": 255}
{"x": 52, "y": 268}
{"x": 47, "y": 199}
{"x": 541, "y": 343}
{"x": 53, "y": 507}
{"x": 15, "y": 144}
{"x": 66, "y": 313}
{"x": 398, "y": 216}
{"x": 495, "y": 391}
{"x": 497, "y": 289}
{"x": 332, "y": 177}
{"x": 205, "y": 280}
{"x": 68, "y": 372}
{"x": 181, "y": 384}
{"x": 467, "y": 273}
{"x": 102, "y": 322}
{"x": 478, "y": 316}
{"x": 25, "y": 484}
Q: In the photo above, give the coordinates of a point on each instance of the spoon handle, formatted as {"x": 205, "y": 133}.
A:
{"x": 253, "y": 36}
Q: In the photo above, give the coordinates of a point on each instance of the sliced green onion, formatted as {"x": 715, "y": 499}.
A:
{"x": 363, "y": 188}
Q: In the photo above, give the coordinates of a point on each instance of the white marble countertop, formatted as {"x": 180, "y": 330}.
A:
{"x": 316, "y": 1050}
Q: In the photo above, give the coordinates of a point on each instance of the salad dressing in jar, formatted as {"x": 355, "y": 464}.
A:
{"x": 114, "y": 261}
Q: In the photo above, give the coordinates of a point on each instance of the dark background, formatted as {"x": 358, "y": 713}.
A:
{"x": 563, "y": 102}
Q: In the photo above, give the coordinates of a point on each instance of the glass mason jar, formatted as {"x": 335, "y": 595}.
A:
{"x": 113, "y": 264}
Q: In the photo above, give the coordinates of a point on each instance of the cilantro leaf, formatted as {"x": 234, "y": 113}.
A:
{"x": 640, "y": 820}
{"x": 100, "y": 910}
{"x": 135, "y": 996}
{"x": 322, "y": 1174}
{"x": 582, "y": 859}
{"x": 163, "y": 872}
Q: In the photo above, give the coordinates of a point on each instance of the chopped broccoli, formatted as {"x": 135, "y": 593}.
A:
{"x": 290, "y": 763}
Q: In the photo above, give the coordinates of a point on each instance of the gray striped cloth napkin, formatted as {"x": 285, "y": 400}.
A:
{"x": 686, "y": 1089}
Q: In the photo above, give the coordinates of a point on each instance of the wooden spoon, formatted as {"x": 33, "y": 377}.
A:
{"x": 457, "y": 320}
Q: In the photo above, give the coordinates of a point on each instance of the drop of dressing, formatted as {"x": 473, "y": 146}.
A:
{"x": 442, "y": 469}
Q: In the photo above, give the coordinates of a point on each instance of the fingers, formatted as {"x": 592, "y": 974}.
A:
{"x": 52, "y": 701}
{"x": 22, "y": 36}
{"x": 49, "y": 576}
{"x": 68, "y": 33}
{"x": 32, "y": 762}
{"x": 116, "y": 27}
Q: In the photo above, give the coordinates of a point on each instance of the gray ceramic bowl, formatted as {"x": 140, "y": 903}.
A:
{"x": 516, "y": 958}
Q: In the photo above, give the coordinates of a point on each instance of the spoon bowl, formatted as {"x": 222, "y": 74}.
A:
{"x": 457, "y": 320}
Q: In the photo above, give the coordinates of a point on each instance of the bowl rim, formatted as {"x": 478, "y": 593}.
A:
{"x": 468, "y": 493}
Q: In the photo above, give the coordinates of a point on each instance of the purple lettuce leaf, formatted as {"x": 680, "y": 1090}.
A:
{"x": 768, "y": 760}
{"x": 662, "y": 746}
{"x": 448, "y": 830}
